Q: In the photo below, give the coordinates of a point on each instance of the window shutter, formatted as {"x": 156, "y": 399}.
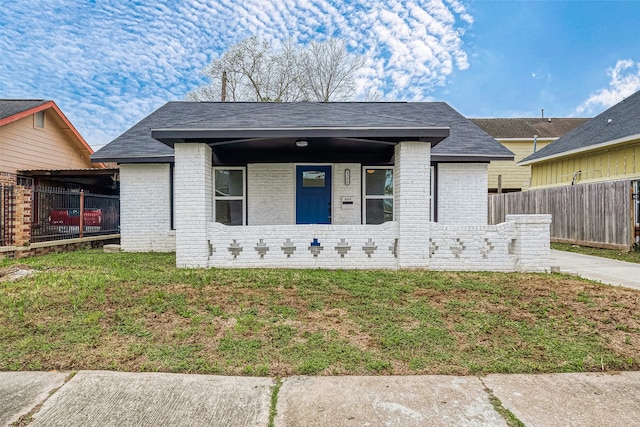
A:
{"x": 38, "y": 120}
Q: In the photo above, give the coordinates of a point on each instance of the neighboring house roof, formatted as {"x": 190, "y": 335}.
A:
{"x": 215, "y": 121}
{"x": 12, "y": 110}
{"x": 527, "y": 128}
{"x": 616, "y": 125}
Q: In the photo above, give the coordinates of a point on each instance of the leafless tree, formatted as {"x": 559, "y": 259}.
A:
{"x": 329, "y": 71}
{"x": 256, "y": 71}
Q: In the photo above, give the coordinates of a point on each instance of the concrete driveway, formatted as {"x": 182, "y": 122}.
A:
{"x": 609, "y": 271}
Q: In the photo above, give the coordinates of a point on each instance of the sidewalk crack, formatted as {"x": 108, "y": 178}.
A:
{"x": 507, "y": 415}
{"x": 274, "y": 401}
{"x": 26, "y": 419}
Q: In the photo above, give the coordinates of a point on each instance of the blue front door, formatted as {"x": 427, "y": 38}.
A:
{"x": 313, "y": 194}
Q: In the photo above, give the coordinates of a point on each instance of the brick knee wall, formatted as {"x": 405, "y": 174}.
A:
{"x": 17, "y": 252}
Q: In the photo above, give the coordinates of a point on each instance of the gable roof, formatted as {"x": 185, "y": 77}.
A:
{"x": 12, "y": 110}
{"x": 527, "y": 128}
{"x": 216, "y": 121}
{"x": 15, "y": 109}
{"x": 616, "y": 125}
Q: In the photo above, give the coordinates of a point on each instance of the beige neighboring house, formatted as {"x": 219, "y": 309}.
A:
{"x": 39, "y": 145}
{"x": 523, "y": 137}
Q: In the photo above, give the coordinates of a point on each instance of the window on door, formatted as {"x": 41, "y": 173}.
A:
{"x": 378, "y": 195}
{"x": 229, "y": 196}
{"x": 313, "y": 194}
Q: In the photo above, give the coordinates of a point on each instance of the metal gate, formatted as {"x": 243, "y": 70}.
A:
{"x": 7, "y": 209}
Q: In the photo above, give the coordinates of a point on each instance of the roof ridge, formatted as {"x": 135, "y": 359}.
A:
{"x": 388, "y": 116}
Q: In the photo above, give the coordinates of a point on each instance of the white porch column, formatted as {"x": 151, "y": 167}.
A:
{"x": 411, "y": 203}
{"x": 193, "y": 203}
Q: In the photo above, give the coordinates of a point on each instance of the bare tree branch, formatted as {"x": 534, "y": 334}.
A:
{"x": 258, "y": 72}
{"x": 329, "y": 70}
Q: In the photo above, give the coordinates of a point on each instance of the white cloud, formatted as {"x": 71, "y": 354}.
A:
{"x": 110, "y": 63}
{"x": 625, "y": 80}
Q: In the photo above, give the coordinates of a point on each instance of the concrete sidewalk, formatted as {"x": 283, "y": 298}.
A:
{"x": 102, "y": 398}
{"x": 609, "y": 271}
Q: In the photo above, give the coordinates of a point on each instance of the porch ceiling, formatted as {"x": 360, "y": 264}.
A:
{"x": 241, "y": 146}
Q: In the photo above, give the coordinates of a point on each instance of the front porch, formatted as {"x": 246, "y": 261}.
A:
{"x": 409, "y": 241}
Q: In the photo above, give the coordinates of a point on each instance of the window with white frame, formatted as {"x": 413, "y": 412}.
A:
{"x": 229, "y": 196}
{"x": 378, "y": 194}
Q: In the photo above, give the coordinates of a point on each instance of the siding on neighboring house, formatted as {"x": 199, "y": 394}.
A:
{"x": 514, "y": 177}
{"x": 145, "y": 208}
{"x": 610, "y": 164}
{"x": 462, "y": 197}
{"x": 519, "y": 135}
{"x": 24, "y": 147}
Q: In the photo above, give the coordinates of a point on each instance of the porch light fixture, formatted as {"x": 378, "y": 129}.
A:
{"x": 347, "y": 177}
{"x": 302, "y": 143}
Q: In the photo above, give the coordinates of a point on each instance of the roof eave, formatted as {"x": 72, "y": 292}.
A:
{"x": 26, "y": 113}
{"x": 469, "y": 158}
{"x": 428, "y": 134}
{"x": 135, "y": 159}
{"x": 605, "y": 144}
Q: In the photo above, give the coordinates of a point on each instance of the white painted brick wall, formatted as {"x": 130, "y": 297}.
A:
{"x": 378, "y": 239}
{"x": 193, "y": 200}
{"x": 462, "y": 193}
{"x": 145, "y": 204}
{"x": 411, "y": 202}
{"x": 472, "y": 247}
{"x": 520, "y": 244}
{"x": 353, "y": 190}
{"x": 532, "y": 247}
{"x": 271, "y": 194}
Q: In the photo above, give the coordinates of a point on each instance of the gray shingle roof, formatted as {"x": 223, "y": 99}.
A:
{"x": 528, "y": 127}
{"x": 465, "y": 138}
{"x": 10, "y": 107}
{"x": 620, "y": 121}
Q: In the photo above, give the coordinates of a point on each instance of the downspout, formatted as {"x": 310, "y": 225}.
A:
{"x": 535, "y": 142}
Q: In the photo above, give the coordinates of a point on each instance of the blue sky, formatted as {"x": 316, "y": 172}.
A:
{"x": 109, "y": 63}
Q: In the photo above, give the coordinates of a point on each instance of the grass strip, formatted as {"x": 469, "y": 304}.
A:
{"x": 274, "y": 401}
{"x": 509, "y": 417}
{"x": 26, "y": 419}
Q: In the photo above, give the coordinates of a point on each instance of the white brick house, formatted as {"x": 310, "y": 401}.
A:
{"x": 320, "y": 185}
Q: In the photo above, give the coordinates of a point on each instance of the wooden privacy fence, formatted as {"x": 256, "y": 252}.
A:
{"x": 597, "y": 214}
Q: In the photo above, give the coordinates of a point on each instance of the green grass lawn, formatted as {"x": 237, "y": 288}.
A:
{"x": 137, "y": 312}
